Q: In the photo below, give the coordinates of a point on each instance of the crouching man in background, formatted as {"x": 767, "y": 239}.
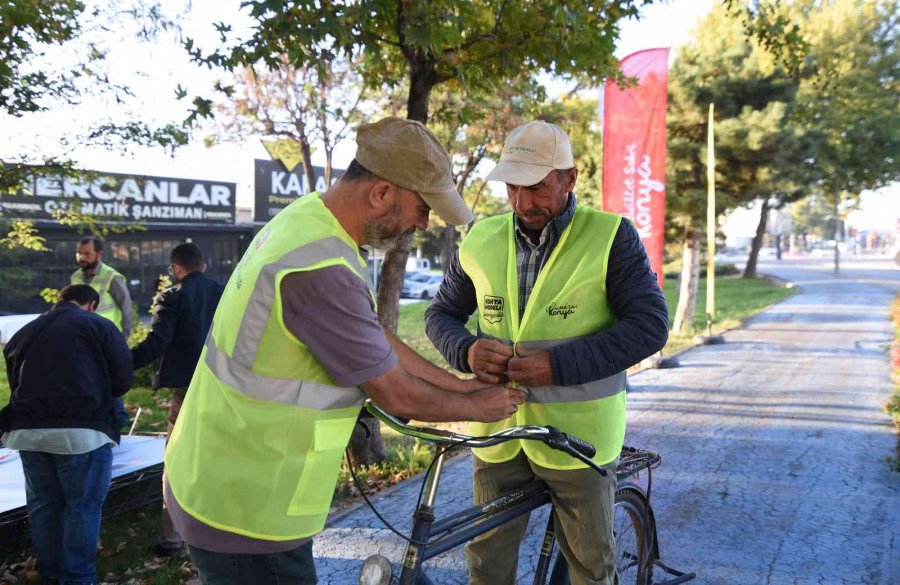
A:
{"x": 66, "y": 369}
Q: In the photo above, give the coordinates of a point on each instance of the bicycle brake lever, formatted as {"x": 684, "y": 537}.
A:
{"x": 577, "y": 448}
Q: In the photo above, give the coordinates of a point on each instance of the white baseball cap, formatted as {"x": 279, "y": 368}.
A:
{"x": 531, "y": 151}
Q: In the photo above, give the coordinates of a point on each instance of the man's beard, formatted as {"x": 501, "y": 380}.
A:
{"x": 384, "y": 234}
{"x": 89, "y": 265}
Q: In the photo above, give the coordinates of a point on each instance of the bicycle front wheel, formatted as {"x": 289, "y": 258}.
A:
{"x": 632, "y": 531}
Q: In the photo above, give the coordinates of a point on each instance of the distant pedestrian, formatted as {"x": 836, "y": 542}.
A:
{"x": 65, "y": 370}
{"x": 182, "y": 315}
{"x": 115, "y": 300}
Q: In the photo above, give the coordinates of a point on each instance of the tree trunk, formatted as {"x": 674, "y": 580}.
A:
{"x": 837, "y": 230}
{"x": 367, "y": 449}
{"x": 306, "y": 152}
{"x": 329, "y": 152}
{"x": 392, "y": 271}
{"x": 750, "y": 269}
{"x": 422, "y": 79}
{"x": 448, "y": 246}
{"x": 690, "y": 281}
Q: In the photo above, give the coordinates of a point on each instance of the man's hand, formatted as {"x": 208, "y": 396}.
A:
{"x": 530, "y": 367}
{"x": 473, "y": 385}
{"x": 497, "y": 403}
{"x": 488, "y": 359}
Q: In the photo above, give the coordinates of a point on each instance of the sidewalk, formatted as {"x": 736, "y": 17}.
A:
{"x": 773, "y": 449}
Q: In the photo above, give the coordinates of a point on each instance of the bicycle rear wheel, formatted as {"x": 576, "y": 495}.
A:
{"x": 631, "y": 526}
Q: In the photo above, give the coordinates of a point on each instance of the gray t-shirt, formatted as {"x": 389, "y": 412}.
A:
{"x": 332, "y": 312}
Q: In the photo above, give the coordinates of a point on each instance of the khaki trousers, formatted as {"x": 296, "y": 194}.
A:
{"x": 583, "y": 501}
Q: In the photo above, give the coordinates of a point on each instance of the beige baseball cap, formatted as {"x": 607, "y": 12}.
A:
{"x": 407, "y": 154}
{"x": 531, "y": 151}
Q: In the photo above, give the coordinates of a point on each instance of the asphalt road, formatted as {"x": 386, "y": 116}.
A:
{"x": 773, "y": 443}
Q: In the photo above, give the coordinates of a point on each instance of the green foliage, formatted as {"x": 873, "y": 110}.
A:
{"x": 475, "y": 42}
{"x": 53, "y": 53}
{"x": 849, "y": 99}
{"x": 24, "y": 27}
{"x": 755, "y": 146}
{"x": 673, "y": 269}
{"x": 50, "y": 295}
{"x": 773, "y": 30}
{"x": 23, "y": 235}
{"x": 814, "y": 215}
{"x": 144, "y": 376}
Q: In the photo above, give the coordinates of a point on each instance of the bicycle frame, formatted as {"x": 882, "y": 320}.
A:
{"x": 436, "y": 537}
{"x": 431, "y": 537}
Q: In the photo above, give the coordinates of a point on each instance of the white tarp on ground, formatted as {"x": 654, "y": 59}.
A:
{"x": 133, "y": 454}
{"x": 10, "y": 324}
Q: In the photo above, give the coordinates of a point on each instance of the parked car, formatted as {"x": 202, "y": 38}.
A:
{"x": 421, "y": 285}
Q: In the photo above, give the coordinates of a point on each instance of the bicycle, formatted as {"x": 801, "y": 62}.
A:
{"x": 637, "y": 548}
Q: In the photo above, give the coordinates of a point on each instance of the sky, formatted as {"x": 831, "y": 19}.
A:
{"x": 154, "y": 70}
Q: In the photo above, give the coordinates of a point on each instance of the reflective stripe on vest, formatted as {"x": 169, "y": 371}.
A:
{"x": 568, "y": 302}
{"x": 256, "y": 314}
{"x": 258, "y": 444}
{"x": 304, "y": 394}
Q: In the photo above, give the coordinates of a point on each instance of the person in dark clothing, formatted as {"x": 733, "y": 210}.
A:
{"x": 65, "y": 369}
{"x": 182, "y": 316}
{"x": 567, "y": 302}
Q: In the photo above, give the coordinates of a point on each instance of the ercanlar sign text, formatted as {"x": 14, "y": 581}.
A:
{"x": 125, "y": 198}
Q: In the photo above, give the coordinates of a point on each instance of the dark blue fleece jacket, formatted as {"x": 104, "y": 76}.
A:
{"x": 65, "y": 370}
{"x": 641, "y": 328}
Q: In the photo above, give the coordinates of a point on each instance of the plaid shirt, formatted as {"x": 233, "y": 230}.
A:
{"x": 530, "y": 257}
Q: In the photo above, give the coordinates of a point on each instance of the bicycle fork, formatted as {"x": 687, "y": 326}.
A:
{"x": 423, "y": 520}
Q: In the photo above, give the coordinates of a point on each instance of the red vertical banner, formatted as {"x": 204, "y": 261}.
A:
{"x": 634, "y": 149}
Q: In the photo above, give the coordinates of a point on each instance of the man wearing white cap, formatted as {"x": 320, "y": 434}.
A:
{"x": 294, "y": 349}
{"x": 567, "y": 302}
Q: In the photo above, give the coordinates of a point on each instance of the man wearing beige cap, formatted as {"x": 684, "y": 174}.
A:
{"x": 294, "y": 349}
{"x": 566, "y": 302}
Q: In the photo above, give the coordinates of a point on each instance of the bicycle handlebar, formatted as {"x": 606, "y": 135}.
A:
{"x": 550, "y": 436}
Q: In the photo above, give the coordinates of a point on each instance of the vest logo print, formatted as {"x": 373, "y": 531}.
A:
{"x": 555, "y": 310}
{"x": 493, "y": 309}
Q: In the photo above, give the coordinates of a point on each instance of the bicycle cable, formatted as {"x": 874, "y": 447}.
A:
{"x": 362, "y": 492}
{"x": 437, "y": 454}
{"x": 418, "y": 499}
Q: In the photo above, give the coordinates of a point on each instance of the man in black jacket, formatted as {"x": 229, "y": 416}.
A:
{"x": 548, "y": 261}
{"x": 182, "y": 316}
{"x": 65, "y": 370}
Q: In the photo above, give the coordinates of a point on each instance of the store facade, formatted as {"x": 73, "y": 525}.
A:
{"x": 148, "y": 215}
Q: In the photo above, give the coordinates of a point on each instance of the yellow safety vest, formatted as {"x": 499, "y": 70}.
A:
{"x": 568, "y": 302}
{"x": 258, "y": 443}
{"x": 101, "y": 282}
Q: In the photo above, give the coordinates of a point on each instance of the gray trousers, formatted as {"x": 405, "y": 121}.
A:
{"x": 583, "y": 501}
